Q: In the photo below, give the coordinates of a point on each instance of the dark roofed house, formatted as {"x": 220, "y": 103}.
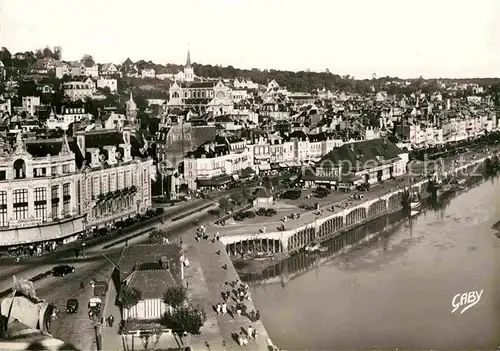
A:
{"x": 367, "y": 161}
{"x": 151, "y": 269}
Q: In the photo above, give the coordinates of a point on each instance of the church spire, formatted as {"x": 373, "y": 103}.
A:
{"x": 188, "y": 60}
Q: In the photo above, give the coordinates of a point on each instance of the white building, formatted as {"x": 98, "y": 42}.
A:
{"x": 79, "y": 90}
{"x": 76, "y": 69}
{"x": 106, "y": 82}
{"x": 38, "y": 198}
{"x": 109, "y": 69}
{"x": 30, "y": 104}
{"x": 68, "y": 115}
{"x": 216, "y": 162}
{"x": 245, "y": 84}
{"x": 148, "y": 73}
{"x": 116, "y": 183}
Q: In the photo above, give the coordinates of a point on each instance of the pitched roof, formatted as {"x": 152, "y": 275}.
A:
{"x": 152, "y": 283}
{"x": 135, "y": 255}
{"x": 42, "y": 148}
{"x": 376, "y": 151}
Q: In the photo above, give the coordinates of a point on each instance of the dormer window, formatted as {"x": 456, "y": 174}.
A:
{"x": 19, "y": 169}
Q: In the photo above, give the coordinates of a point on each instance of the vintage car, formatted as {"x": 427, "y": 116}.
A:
{"x": 72, "y": 306}
{"x": 62, "y": 270}
{"x": 95, "y": 304}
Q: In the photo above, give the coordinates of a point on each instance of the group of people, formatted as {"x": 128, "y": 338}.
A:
{"x": 243, "y": 337}
{"x": 241, "y": 292}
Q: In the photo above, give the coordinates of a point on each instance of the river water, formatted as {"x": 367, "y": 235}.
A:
{"x": 395, "y": 291}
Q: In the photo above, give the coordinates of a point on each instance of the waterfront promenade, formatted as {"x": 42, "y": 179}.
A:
{"x": 350, "y": 212}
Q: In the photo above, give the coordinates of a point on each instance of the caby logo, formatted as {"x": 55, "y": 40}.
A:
{"x": 466, "y": 300}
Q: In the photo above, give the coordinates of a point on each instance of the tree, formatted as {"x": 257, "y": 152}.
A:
{"x": 157, "y": 237}
{"x": 224, "y": 204}
{"x": 129, "y": 296}
{"x": 183, "y": 320}
{"x": 237, "y": 197}
{"x": 88, "y": 60}
{"x": 47, "y": 53}
{"x": 175, "y": 296}
{"x": 27, "y": 88}
{"x": 57, "y": 53}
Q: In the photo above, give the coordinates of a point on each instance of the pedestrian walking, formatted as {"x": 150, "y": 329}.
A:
{"x": 257, "y": 315}
{"x": 224, "y": 308}
{"x": 76, "y": 252}
{"x": 219, "y": 308}
{"x": 82, "y": 287}
{"x": 250, "y": 331}
{"x": 111, "y": 319}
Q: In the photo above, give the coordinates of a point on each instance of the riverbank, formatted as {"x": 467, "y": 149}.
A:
{"x": 408, "y": 273}
{"x": 343, "y": 224}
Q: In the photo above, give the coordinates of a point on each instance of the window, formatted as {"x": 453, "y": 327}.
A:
{"x": 145, "y": 176}
{"x": 128, "y": 178}
{"x": 20, "y": 203}
{"x": 112, "y": 182}
{"x": 19, "y": 169}
{"x": 40, "y": 172}
{"x": 95, "y": 187}
{"x": 65, "y": 168}
{"x": 3, "y": 175}
{"x": 41, "y": 203}
{"x": 55, "y": 201}
{"x": 105, "y": 184}
{"x": 66, "y": 199}
{"x": 53, "y": 170}
{"x": 3, "y": 209}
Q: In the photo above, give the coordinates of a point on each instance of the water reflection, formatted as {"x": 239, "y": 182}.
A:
{"x": 396, "y": 289}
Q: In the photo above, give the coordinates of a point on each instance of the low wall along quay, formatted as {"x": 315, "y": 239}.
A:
{"x": 325, "y": 228}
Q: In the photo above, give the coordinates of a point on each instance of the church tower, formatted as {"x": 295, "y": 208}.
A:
{"x": 188, "y": 69}
{"x": 131, "y": 110}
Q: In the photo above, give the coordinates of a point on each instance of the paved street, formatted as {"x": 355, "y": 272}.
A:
{"x": 77, "y": 328}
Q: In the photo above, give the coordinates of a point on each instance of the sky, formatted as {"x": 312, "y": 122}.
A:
{"x": 404, "y": 38}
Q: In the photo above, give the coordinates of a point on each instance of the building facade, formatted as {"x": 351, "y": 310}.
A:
{"x": 116, "y": 181}
{"x": 38, "y": 201}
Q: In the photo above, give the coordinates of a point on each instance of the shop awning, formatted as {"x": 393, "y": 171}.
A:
{"x": 290, "y": 164}
{"x": 275, "y": 166}
{"x": 216, "y": 181}
{"x": 246, "y": 172}
{"x": 283, "y": 165}
{"x": 265, "y": 167}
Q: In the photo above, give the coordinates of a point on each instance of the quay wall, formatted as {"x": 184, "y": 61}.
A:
{"x": 324, "y": 228}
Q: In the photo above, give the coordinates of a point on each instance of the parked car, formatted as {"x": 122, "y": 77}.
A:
{"x": 100, "y": 288}
{"x": 72, "y": 306}
{"x": 261, "y": 212}
{"x": 321, "y": 190}
{"x": 291, "y": 194}
{"x": 238, "y": 217}
{"x": 249, "y": 214}
{"x": 363, "y": 187}
{"x": 130, "y": 221}
{"x": 62, "y": 270}
{"x": 270, "y": 212}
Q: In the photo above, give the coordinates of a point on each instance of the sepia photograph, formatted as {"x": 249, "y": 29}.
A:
{"x": 268, "y": 175}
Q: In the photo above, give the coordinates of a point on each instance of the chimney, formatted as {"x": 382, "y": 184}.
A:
{"x": 80, "y": 140}
{"x": 95, "y": 160}
{"x": 126, "y": 135}
{"x": 111, "y": 149}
